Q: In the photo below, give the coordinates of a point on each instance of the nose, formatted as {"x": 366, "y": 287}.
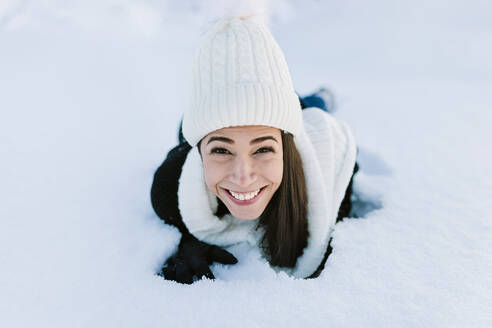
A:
{"x": 243, "y": 172}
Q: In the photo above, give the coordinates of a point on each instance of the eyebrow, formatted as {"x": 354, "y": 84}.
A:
{"x": 230, "y": 141}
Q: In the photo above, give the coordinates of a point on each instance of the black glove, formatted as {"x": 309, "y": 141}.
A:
{"x": 193, "y": 258}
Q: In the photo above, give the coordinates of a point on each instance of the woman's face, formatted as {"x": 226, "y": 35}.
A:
{"x": 243, "y": 166}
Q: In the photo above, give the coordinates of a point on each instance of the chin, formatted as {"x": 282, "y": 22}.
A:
{"x": 245, "y": 217}
{"x": 253, "y": 214}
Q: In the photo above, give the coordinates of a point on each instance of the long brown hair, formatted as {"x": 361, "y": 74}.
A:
{"x": 284, "y": 220}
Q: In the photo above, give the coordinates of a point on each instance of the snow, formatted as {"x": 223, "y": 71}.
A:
{"x": 91, "y": 93}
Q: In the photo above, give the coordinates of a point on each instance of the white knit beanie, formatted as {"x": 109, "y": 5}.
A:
{"x": 240, "y": 77}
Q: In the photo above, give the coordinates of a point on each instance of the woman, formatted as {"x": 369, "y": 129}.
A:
{"x": 254, "y": 164}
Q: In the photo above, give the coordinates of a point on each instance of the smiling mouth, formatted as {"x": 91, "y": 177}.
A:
{"x": 245, "y": 198}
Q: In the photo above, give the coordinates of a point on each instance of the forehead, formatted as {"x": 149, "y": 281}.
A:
{"x": 245, "y": 131}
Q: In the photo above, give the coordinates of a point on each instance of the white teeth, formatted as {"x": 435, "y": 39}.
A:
{"x": 245, "y": 196}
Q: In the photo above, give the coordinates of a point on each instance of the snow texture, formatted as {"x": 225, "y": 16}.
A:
{"x": 91, "y": 94}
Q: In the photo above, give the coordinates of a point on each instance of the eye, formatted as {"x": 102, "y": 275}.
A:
{"x": 221, "y": 151}
{"x": 265, "y": 150}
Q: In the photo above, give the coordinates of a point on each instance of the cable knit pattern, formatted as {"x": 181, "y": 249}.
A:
{"x": 328, "y": 151}
{"x": 240, "y": 77}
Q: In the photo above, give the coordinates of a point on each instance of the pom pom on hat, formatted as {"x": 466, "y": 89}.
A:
{"x": 240, "y": 77}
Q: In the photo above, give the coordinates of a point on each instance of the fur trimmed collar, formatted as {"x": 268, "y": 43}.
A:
{"x": 328, "y": 151}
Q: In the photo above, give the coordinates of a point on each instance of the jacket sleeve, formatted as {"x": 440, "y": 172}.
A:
{"x": 343, "y": 212}
{"x": 346, "y": 204}
{"x": 164, "y": 190}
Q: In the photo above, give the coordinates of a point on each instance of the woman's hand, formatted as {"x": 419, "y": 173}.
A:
{"x": 193, "y": 259}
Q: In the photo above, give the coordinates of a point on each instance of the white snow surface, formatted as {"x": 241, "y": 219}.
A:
{"x": 91, "y": 94}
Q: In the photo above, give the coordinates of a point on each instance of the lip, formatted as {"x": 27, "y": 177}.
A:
{"x": 244, "y": 202}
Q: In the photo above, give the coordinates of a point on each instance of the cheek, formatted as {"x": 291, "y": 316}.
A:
{"x": 212, "y": 174}
{"x": 274, "y": 171}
